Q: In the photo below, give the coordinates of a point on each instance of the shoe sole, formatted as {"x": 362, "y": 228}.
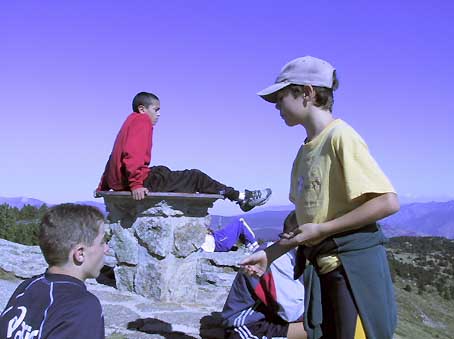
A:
{"x": 266, "y": 199}
{"x": 262, "y": 203}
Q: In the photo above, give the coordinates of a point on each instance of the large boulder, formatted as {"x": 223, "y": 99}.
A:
{"x": 21, "y": 260}
{"x": 156, "y": 242}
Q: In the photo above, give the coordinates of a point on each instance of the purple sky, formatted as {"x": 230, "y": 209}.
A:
{"x": 69, "y": 70}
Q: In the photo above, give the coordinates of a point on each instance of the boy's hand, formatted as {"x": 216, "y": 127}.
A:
{"x": 255, "y": 264}
{"x": 307, "y": 234}
{"x": 139, "y": 193}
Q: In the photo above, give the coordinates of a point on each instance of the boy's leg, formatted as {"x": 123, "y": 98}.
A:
{"x": 162, "y": 179}
{"x": 259, "y": 329}
{"x": 340, "y": 316}
{"x": 248, "y": 234}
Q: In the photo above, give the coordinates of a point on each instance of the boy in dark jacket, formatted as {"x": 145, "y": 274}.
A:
{"x": 56, "y": 304}
{"x": 284, "y": 302}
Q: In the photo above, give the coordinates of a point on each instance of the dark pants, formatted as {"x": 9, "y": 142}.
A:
{"x": 162, "y": 179}
{"x": 259, "y": 329}
{"x": 340, "y": 313}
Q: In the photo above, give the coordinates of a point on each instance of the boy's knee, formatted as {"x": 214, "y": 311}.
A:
{"x": 196, "y": 172}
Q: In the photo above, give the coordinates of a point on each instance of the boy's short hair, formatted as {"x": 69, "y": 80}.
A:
{"x": 307, "y": 70}
{"x": 64, "y": 226}
{"x": 144, "y": 99}
{"x": 324, "y": 96}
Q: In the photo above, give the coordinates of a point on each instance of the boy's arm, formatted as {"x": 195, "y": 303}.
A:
{"x": 364, "y": 181}
{"x": 103, "y": 185}
{"x": 136, "y": 153}
{"x": 377, "y": 207}
{"x": 257, "y": 263}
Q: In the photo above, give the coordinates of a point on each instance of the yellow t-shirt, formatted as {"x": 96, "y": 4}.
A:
{"x": 330, "y": 176}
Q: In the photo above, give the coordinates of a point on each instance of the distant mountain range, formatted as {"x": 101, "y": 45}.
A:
{"x": 414, "y": 219}
{"x": 422, "y": 219}
{"x": 20, "y": 202}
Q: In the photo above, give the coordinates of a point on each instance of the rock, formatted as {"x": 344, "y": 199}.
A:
{"x": 23, "y": 261}
{"x": 162, "y": 209}
{"x": 149, "y": 280}
{"x": 181, "y": 277}
{"x": 189, "y": 235}
{"x": 120, "y": 315}
{"x": 125, "y": 277}
{"x": 156, "y": 234}
{"x": 125, "y": 244}
{"x": 155, "y": 242}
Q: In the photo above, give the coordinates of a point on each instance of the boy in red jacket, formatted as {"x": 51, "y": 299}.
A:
{"x": 127, "y": 168}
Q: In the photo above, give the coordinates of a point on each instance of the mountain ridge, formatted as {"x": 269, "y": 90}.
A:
{"x": 413, "y": 219}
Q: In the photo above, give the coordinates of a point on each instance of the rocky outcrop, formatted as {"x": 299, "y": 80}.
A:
{"x": 206, "y": 277}
{"x": 156, "y": 242}
{"x": 164, "y": 285}
{"x": 20, "y": 260}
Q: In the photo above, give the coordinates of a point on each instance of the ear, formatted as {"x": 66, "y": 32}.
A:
{"x": 141, "y": 108}
{"x": 309, "y": 93}
{"x": 78, "y": 254}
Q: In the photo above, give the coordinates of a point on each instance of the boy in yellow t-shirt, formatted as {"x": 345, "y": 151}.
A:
{"x": 339, "y": 193}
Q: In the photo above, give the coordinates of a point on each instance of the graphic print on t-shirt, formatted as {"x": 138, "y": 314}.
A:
{"x": 19, "y": 328}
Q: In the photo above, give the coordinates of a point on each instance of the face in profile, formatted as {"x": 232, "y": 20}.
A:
{"x": 94, "y": 254}
{"x": 293, "y": 109}
{"x": 153, "y": 111}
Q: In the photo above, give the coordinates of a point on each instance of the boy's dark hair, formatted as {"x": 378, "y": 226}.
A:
{"x": 144, "y": 99}
{"x": 64, "y": 226}
{"x": 324, "y": 97}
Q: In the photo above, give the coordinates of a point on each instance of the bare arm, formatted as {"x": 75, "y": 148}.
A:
{"x": 258, "y": 262}
{"x": 376, "y": 208}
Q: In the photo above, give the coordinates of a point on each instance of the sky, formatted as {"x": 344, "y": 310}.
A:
{"x": 69, "y": 71}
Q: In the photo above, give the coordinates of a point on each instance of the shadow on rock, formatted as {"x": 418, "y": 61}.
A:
{"x": 107, "y": 276}
{"x": 156, "y": 326}
{"x": 211, "y": 326}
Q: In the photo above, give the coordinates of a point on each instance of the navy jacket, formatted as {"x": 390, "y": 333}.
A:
{"x": 52, "y": 306}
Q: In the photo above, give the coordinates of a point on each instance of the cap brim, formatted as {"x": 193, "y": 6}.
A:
{"x": 270, "y": 93}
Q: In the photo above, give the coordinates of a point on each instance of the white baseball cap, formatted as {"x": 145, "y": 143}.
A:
{"x": 305, "y": 70}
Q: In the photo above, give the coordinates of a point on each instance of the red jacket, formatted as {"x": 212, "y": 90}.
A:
{"x": 128, "y": 163}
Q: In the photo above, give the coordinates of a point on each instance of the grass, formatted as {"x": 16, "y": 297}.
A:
{"x": 116, "y": 335}
{"x": 4, "y": 275}
{"x": 423, "y": 316}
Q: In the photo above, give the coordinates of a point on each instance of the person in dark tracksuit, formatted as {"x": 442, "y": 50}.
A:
{"x": 284, "y": 302}
{"x": 56, "y": 304}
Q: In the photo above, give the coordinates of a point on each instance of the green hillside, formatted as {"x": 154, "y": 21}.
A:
{"x": 423, "y": 274}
